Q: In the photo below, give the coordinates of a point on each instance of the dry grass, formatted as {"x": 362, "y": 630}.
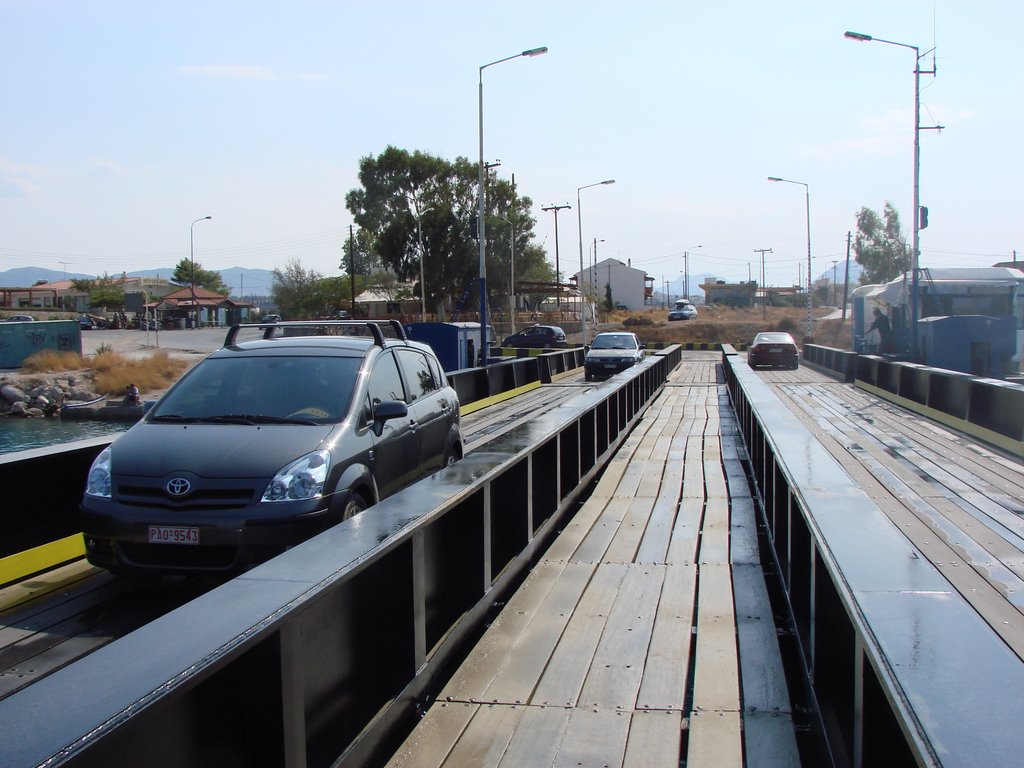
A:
{"x": 112, "y": 372}
{"x": 52, "y": 361}
{"x": 718, "y": 325}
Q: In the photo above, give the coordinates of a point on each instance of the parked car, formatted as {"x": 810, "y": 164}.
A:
{"x": 267, "y": 442}
{"x": 270, "y": 319}
{"x": 611, "y": 353}
{"x": 542, "y": 336}
{"x": 683, "y": 311}
{"x": 775, "y": 349}
{"x": 20, "y": 319}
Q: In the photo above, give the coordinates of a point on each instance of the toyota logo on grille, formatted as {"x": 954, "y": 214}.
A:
{"x": 178, "y": 486}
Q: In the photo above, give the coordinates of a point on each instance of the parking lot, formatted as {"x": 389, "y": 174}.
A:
{"x": 191, "y": 343}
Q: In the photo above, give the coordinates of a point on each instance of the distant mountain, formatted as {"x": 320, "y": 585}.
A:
{"x": 241, "y": 281}
{"x": 26, "y": 277}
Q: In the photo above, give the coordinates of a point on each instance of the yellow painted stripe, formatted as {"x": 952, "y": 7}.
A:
{"x": 53, "y": 580}
{"x": 478, "y": 405}
{"x": 15, "y": 567}
{"x": 565, "y": 374}
{"x": 1015, "y": 447}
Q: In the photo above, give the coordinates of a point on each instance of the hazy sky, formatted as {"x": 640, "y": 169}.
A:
{"x": 122, "y": 122}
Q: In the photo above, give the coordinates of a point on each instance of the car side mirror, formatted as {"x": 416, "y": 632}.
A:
{"x": 643, "y": 346}
{"x": 386, "y": 411}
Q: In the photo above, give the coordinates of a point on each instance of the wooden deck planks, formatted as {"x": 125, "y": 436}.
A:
{"x": 654, "y": 740}
{"x": 618, "y": 665}
{"x": 597, "y": 668}
{"x": 716, "y": 673}
{"x": 953, "y": 528}
{"x": 564, "y": 677}
{"x": 666, "y": 668}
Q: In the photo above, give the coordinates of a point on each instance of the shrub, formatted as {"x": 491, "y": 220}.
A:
{"x": 636, "y": 321}
{"x": 53, "y": 361}
{"x": 114, "y": 372}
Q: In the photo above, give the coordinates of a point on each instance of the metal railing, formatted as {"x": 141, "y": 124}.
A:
{"x": 315, "y": 657}
{"x": 905, "y": 672}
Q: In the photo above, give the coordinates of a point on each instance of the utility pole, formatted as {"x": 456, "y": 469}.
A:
{"x": 764, "y": 288}
{"x": 834, "y": 262}
{"x": 558, "y": 277}
{"x": 846, "y": 279}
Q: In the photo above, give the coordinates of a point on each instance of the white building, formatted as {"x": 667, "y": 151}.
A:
{"x": 629, "y": 285}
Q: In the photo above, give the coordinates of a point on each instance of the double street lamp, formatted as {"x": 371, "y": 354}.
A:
{"x": 579, "y": 222}
{"x": 916, "y": 246}
{"x": 192, "y": 264}
{"x": 482, "y": 208}
{"x": 810, "y": 279}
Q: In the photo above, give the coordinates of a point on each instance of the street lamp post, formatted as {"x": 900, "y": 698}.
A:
{"x": 579, "y": 222}
{"x": 423, "y": 282}
{"x": 482, "y": 207}
{"x": 810, "y": 280}
{"x": 686, "y": 270}
{"x": 916, "y": 245}
{"x": 192, "y": 265}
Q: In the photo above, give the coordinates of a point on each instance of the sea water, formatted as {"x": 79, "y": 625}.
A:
{"x": 18, "y": 434}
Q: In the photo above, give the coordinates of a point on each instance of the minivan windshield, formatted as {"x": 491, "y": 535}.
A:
{"x": 262, "y": 390}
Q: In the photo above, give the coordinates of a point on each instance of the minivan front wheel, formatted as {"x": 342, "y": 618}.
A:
{"x": 354, "y": 506}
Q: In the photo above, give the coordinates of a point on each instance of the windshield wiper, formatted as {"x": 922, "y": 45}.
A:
{"x": 174, "y": 417}
{"x": 247, "y": 419}
{"x": 252, "y": 418}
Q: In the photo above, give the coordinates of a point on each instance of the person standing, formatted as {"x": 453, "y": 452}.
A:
{"x": 884, "y": 328}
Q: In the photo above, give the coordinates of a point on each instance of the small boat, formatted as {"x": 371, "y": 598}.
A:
{"x": 72, "y": 404}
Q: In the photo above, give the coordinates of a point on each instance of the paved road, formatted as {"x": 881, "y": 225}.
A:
{"x": 194, "y": 343}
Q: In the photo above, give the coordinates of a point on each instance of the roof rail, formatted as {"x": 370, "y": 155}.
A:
{"x": 374, "y": 327}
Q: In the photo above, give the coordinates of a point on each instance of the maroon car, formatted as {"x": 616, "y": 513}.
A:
{"x": 775, "y": 349}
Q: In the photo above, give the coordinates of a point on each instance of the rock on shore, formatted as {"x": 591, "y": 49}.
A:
{"x": 39, "y": 396}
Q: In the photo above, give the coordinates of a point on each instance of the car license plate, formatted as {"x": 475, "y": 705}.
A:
{"x": 173, "y": 534}
{"x": 775, "y": 350}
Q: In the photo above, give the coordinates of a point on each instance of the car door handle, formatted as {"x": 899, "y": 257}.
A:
{"x": 413, "y": 425}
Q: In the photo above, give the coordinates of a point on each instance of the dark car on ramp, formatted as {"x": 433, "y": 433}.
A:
{"x": 775, "y": 349}
{"x": 537, "y": 336}
{"x": 267, "y": 442}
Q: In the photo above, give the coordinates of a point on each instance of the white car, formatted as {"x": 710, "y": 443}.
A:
{"x": 611, "y": 353}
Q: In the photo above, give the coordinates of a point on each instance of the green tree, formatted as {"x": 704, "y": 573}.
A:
{"x": 413, "y": 198}
{"x": 298, "y": 292}
{"x": 879, "y": 246}
{"x": 334, "y": 293}
{"x": 365, "y": 259}
{"x": 106, "y": 293}
{"x": 185, "y": 273}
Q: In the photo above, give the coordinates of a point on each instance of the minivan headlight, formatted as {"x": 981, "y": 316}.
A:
{"x": 302, "y": 479}
{"x": 98, "y": 482}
